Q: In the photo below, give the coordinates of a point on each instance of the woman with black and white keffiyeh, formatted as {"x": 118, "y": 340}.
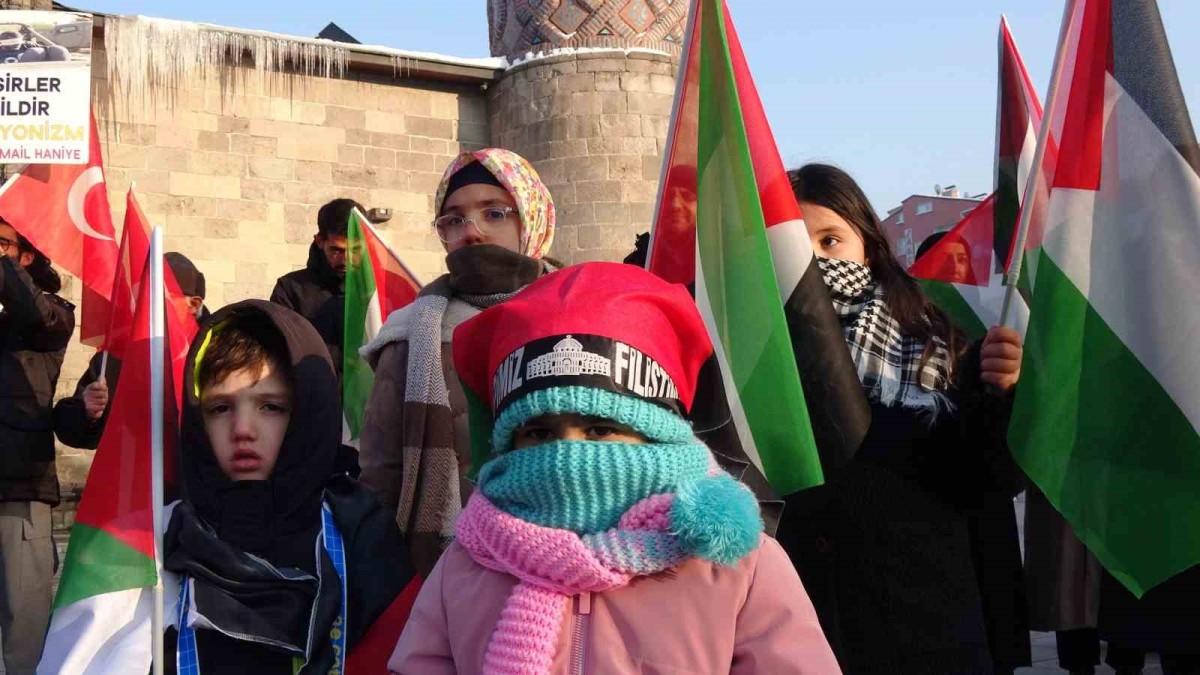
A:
{"x": 910, "y": 552}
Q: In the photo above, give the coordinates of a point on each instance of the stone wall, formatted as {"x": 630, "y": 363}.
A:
{"x": 594, "y": 124}
{"x": 236, "y": 175}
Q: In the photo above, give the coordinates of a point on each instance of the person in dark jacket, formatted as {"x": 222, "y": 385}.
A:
{"x": 884, "y": 546}
{"x": 255, "y": 533}
{"x": 35, "y": 328}
{"x": 317, "y": 292}
{"x": 79, "y": 419}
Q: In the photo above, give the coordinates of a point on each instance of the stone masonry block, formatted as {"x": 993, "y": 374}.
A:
{"x": 589, "y": 236}
{"x": 313, "y": 172}
{"x": 149, "y": 181}
{"x": 380, "y": 157}
{"x": 314, "y": 151}
{"x": 233, "y": 125}
{"x": 351, "y": 154}
{"x": 197, "y": 185}
{"x": 656, "y": 67}
{"x": 270, "y": 168}
{"x": 608, "y": 81}
{"x": 430, "y": 127}
{"x": 252, "y": 273}
{"x": 588, "y": 169}
{"x": 220, "y": 228}
{"x": 615, "y": 212}
{"x": 625, "y": 167}
{"x": 655, "y": 126}
{"x": 609, "y": 65}
{"x": 168, "y": 159}
{"x": 635, "y": 81}
{"x": 242, "y": 209}
{"x": 621, "y": 125}
{"x": 650, "y": 104}
{"x": 218, "y": 163}
{"x": 422, "y": 182}
{"x": 175, "y": 137}
{"x": 576, "y": 214}
{"x": 432, "y": 146}
{"x": 384, "y": 122}
{"x": 651, "y": 167}
{"x": 125, "y": 156}
{"x": 345, "y": 118}
{"x": 259, "y": 146}
{"x": 614, "y": 102}
{"x": 597, "y": 191}
{"x": 392, "y": 141}
{"x": 605, "y": 145}
{"x": 263, "y": 190}
{"x": 662, "y": 84}
{"x": 578, "y": 82}
{"x": 215, "y": 141}
{"x": 583, "y": 126}
{"x": 638, "y": 191}
{"x": 416, "y": 161}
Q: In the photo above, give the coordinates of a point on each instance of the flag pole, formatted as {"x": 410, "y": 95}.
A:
{"x": 157, "y": 375}
{"x": 1013, "y": 274}
{"x": 672, "y": 124}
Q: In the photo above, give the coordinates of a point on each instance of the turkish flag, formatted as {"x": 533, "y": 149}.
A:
{"x": 62, "y": 209}
{"x": 126, "y": 289}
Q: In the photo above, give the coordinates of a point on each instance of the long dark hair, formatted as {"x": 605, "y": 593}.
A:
{"x": 40, "y": 270}
{"x": 829, "y": 186}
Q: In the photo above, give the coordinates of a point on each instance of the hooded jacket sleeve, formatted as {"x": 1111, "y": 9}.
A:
{"x": 424, "y": 647}
{"x": 381, "y": 451}
{"x": 777, "y": 627}
{"x": 71, "y": 422}
{"x": 281, "y": 296}
{"x": 46, "y": 321}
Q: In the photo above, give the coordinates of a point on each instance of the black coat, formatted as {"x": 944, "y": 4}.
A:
{"x": 71, "y": 423}
{"x": 224, "y": 530}
{"x": 884, "y": 548}
{"x": 1165, "y": 620}
{"x": 35, "y": 329}
{"x": 315, "y": 293}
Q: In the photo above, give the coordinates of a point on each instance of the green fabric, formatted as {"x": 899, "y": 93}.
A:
{"x": 97, "y": 562}
{"x": 357, "y": 377}
{"x": 1102, "y": 439}
{"x": 945, "y": 296}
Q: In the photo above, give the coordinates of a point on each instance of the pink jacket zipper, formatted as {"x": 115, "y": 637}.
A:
{"x": 583, "y": 610}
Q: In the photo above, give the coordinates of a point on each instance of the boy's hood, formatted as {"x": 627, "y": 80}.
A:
{"x": 261, "y": 516}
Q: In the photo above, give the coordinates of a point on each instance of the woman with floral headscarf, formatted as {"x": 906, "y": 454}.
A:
{"x": 495, "y": 219}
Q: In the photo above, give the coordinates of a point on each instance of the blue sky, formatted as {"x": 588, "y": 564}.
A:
{"x": 901, "y": 94}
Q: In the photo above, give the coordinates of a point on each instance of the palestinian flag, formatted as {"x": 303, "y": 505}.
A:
{"x": 727, "y": 220}
{"x": 101, "y": 620}
{"x": 1107, "y": 415}
{"x": 963, "y": 271}
{"x": 377, "y": 284}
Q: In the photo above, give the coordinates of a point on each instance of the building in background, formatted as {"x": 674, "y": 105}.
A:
{"x": 919, "y": 216}
{"x": 235, "y": 137}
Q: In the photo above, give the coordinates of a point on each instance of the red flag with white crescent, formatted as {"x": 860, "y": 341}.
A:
{"x": 62, "y": 209}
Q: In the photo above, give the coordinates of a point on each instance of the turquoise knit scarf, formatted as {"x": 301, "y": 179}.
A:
{"x": 586, "y": 486}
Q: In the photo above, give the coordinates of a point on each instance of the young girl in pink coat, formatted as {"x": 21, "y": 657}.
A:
{"x": 602, "y": 536}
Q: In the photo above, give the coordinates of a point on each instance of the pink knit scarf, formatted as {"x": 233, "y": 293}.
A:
{"x": 552, "y": 565}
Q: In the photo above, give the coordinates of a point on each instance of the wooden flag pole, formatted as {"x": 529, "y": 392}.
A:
{"x": 1014, "y": 270}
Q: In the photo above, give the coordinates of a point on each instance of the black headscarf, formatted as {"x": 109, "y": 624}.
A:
{"x": 277, "y": 520}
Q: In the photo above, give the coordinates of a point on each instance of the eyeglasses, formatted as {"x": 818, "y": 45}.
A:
{"x": 6, "y": 244}
{"x": 452, "y": 227}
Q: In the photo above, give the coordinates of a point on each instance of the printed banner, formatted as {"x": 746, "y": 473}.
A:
{"x": 45, "y": 87}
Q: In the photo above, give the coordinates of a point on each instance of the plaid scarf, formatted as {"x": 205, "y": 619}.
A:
{"x": 888, "y": 362}
{"x": 430, "y": 496}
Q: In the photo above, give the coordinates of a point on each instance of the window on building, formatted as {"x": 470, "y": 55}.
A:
{"x": 900, "y": 218}
{"x": 924, "y": 207}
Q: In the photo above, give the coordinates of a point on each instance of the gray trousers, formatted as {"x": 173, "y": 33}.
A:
{"x": 26, "y": 570}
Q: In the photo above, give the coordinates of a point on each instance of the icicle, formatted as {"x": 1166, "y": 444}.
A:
{"x": 151, "y": 60}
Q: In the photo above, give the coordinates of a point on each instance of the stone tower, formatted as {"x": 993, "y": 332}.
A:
{"x": 588, "y": 102}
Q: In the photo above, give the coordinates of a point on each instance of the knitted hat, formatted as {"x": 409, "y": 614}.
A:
{"x": 600, "y": 339}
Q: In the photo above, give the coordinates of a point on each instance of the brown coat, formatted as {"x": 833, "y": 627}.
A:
{"x": 427, "y": 489}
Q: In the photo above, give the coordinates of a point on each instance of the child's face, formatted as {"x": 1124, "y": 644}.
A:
{"x": 246, "y": 416}
{"x": 573, "y": 427}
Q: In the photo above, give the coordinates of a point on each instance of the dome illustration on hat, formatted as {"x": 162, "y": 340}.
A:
{"x": 568, "y": 359}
